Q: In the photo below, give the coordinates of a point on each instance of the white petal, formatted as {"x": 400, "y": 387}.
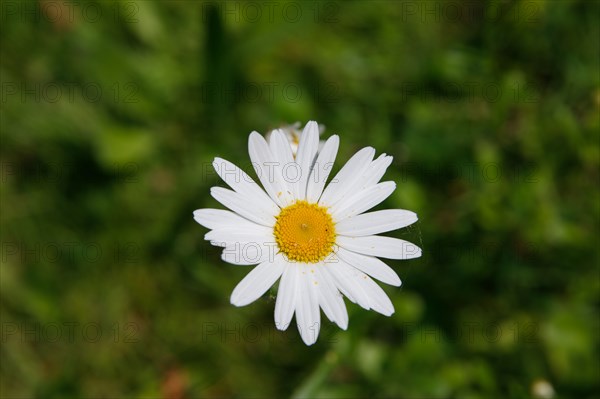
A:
{"x": 371, "y": 266}
{"x": 366, "y": 292}
{"x": 219, "y": 218}
{"x": 362, "y": 201}
{"x": 376, "y": 170}
{"x": 380, "y": 246}
{"x": 378, "y": 299}
{"x": 330, "y": 298}
{"x": 375, "y": 222}
{"x": 240, "y": 182}
{"x": 286, "y": 297}
{"x": 280, "y": 146}
{"x": 308, "y": 314}
{"x": 369, "y": 176}
{"x": 258, "y": 212}
{"x": 321, "y": 144}
{"x": 344, "y": 292}
{"x": 241, "y": 234}
{"x": 322, "y": 168}
{"x": 249, "y": 253}
{"x": 343, "y": 179}
{"x": 346, "y": 279}
{"x": 257, "y": 282}
{"x": 286, "y": 167}
{"x": 264, "y": 164}
{"x": 307, "y": 151}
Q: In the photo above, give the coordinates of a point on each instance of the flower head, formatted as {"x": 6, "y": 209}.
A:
{"x": 316, "y": 240}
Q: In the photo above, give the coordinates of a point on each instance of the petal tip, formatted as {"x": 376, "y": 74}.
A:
{"x": 236, "y": 301}
{"x": 397, "y": 283}
{"x": 282, "y": 326}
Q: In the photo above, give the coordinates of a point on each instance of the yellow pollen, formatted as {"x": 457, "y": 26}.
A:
{"x": 305, "y": 232}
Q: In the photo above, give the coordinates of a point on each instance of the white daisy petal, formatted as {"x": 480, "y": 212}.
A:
{"x": 219, "y": 218}
{"x": 362, "y": 201}
{"x": 346, "y": 279}
{"x": 330, "y": 298}
{"x": 286, "y": 297}
{"x": 380, "y": 246}
{"x": 375, "y": 222}
{"x": 245, "y": 206}
{"x": 308, "y": 315}
{"x": 371, "y": 266}
{"x": 370, "y": 175}
{"x": 376, "y": 170}
{"x": 307, "y": 151}
{"x": 378, "y": 299}
{"x": 340, "y": 184}
{"x": 368, "y": 294}
{"x": 345, "y": 293}
{"x": 257, "y": 282}
{"x": 280, "y": 146}
{"x": 322, "y": 168}
{"x": 331, "y": 261}
{"x": 286, "y": 167}
{"x": 264, "y": 164}
{"x": 249, "y": 253}
{"x": 241, "y": 234}
{"x": 241, "y": 182}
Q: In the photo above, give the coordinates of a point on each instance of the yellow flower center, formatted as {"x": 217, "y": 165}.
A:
{"x": 305, "y": 232}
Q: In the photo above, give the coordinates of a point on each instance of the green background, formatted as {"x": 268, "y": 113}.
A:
{"x": 112, "y": 112}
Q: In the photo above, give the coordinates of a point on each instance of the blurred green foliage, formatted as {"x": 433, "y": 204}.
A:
{"x": 112, "y": 112}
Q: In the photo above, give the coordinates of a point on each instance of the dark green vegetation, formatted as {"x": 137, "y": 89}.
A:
{"x": 111, "y": 115}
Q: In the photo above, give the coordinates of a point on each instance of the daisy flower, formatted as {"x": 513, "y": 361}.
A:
{"x": 315, "y": 239}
